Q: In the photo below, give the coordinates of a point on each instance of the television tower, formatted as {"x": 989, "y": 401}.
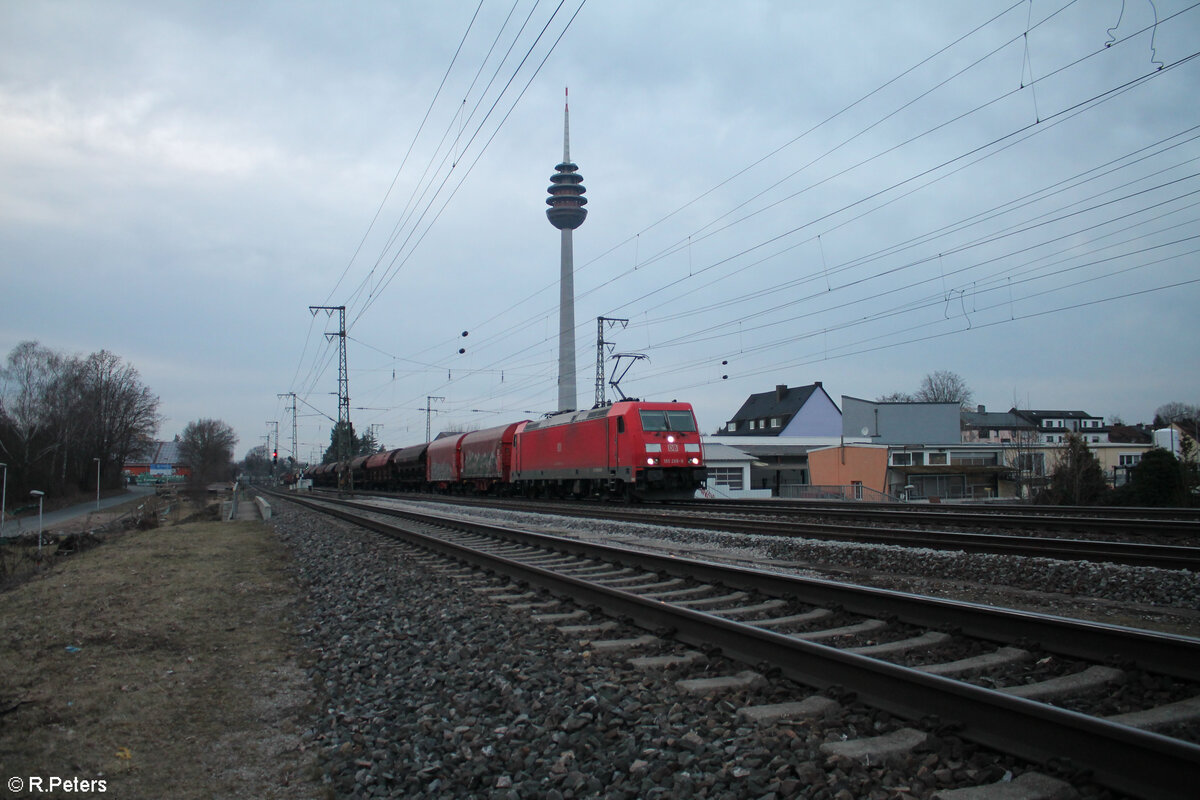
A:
{"x": 566, "y": 213}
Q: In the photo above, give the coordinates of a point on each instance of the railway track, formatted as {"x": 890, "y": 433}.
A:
{"x": 976, "y": 666}
{"x": 1132, "y": 553}
{"x": 1163, "y": 522}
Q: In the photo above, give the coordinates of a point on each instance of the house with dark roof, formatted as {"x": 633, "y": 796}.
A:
{"x": 1053, "y": 426}
{"x": 996, "y": 427}
{"x": 794, "y": 411}
{"x": 777, "y": 429}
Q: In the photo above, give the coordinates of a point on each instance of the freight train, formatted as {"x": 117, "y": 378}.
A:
{"x": 627, "y": 450}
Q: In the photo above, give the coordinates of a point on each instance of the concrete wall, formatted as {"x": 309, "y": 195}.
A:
{"x": 901, "y": 423}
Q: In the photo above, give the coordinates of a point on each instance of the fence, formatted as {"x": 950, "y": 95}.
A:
{"x": 853, "y": 493}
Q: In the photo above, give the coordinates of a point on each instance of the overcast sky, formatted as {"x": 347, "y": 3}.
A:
{"x": 857, "y": 193}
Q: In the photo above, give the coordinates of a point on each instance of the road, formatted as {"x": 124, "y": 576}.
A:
{"x": 29, "y": 522}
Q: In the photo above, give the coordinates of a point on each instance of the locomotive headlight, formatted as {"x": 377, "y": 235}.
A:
{"x": 651, "y": 461}
{"x": 670, "y": 439}
{"x": 695, "y": 461}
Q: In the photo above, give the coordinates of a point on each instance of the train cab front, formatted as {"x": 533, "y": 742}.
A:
{"x": 671, "y": 467}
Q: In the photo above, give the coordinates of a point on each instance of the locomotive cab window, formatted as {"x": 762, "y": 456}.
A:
{"x": 667, "y": 421}
{"x": 681, "y": 421}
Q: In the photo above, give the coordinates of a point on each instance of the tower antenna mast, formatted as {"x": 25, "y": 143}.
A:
{"x": 566, "y": 213}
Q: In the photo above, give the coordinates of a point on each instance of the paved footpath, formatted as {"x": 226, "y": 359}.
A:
{"x": 29, "y": 521}
{"x": 247, "y": 509}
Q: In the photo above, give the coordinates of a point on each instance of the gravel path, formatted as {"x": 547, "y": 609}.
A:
{"x": 430, "y": 690}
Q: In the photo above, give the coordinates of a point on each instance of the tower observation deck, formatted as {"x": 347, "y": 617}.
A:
{"x": 566, "y": 212}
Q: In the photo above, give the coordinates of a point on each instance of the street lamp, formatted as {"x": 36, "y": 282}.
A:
{"x": 3, "y": 497}
{"x": 97, "y": 483}
{"x": 39, "y": 496}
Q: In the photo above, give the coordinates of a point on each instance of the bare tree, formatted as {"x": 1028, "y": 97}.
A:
{"x": 944, "y": 386}
{"x": 1078, "y": 478}
{"x": 1026, "y": 458}
{"x": 124, "y": 413}
{"x": 25, "y": 382}
{"x": 257, "y": 463}
{"x": 1186, "y": 416}
{"x": 59, "y": 413}
{"x": 207, "y": 445}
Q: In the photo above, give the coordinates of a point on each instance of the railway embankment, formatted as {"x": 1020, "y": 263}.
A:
{"x": 163, "y": 663}
{"x": 311, "y": 658}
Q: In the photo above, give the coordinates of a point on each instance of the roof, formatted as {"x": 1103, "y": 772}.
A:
{"x": 1129, "y": 434}
{"x": 783, "y": 401}
{"x": 159, "y": 453}
{"x": 775, "y": 411}
{"x": 1001, "y": 420}
{"x": 715, "y": 451}
{"x": 906, "y": 403}
{"x": 1040, "y": 414}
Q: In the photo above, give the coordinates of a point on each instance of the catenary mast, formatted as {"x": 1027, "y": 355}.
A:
{"x": 566, "y": 213}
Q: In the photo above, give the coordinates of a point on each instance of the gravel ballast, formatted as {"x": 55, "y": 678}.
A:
{"x": 431, "y": 690}
{"x": 1126, "y": 590}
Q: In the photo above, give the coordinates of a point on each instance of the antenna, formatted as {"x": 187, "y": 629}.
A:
{"x": 566, "y": 213}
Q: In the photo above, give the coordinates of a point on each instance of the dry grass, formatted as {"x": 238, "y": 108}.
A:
{"x": 163, "y": 663}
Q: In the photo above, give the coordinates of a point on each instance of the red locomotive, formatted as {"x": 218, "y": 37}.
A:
{"x": 628, "y": 449}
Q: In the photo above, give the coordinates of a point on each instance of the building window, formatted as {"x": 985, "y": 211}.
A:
{"x": 1032, "y": 463}
{"x": 732, "y": 427}
{"x": 1130, "y": 459}
{"x": 729, "y": 477}
{"x": 974, "y": 459}
{"x": 774, "y": 422}
{"x": 901, "y": 459}
{"x": 937, "y": 459}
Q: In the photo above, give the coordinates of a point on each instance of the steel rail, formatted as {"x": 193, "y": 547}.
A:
{"x": 1128, "y": 553}
{"x": 1174, "y": 521}
{"x": 1135, "y": 554}
{"x": 1127, "y": 759}
{"x": 1158, "y": 652}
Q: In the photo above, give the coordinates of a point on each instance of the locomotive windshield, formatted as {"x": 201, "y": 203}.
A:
{"x": 668, "y": 421}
